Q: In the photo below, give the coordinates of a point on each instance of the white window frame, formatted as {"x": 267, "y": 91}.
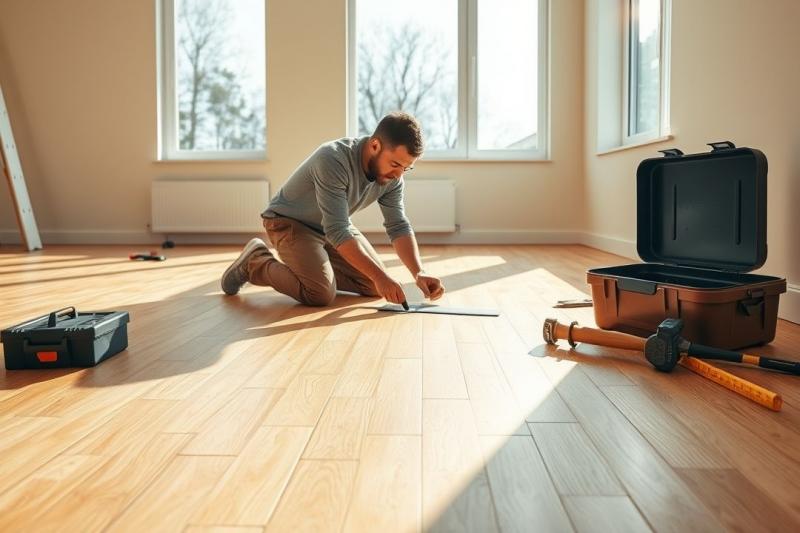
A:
{"x": 628, "y": 81}
{"x": 467, "y": 148}
{"x": 168, "y": 139}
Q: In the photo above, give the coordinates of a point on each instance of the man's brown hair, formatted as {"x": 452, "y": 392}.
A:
{"x": 400, "y": 129}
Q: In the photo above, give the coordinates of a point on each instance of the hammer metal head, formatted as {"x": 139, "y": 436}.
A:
{"x": 549, "y": 330}
{"x": 671, "y": 327}
{"x": 662, "y": 349}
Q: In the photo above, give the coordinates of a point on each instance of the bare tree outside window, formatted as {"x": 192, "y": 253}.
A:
{"x": 404, "y": 68}
{"x": 472, "y": 71}
{"x": 220, "y": 101}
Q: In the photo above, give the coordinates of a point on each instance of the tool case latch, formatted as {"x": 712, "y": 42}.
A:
{"x": 637, "y": 285}
{"x": 671, "y": 152}
{"x": 754, "y": 304}
{"x": 721, "y": 145}
{"x": 46, "y": 353}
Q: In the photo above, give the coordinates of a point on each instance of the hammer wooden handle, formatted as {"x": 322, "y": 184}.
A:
{"x": 611, "y": 339}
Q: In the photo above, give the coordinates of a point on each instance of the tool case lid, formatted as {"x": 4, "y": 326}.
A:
{"x": 70, "y": 322}
{"x": 705, "y": 210}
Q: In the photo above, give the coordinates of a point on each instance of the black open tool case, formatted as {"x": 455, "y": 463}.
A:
{"x": 701, "y": 228}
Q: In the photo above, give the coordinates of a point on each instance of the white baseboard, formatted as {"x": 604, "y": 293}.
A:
{"x": 126, "y": 237}
{"x": 612, "y": 245}
{"x": 789, "y": 308}
{"x": 84, "y": 237}
{"x": 510, "y": 236}
{"x": 144, "y": 237}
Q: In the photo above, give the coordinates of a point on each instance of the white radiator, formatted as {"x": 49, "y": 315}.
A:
{"x": 430, "y": 206}
{"x": 208, "y": 205}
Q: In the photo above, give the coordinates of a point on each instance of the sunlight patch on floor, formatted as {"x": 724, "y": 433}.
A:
{"x": 455, "y": 265}
{"x": 454, "y": 481}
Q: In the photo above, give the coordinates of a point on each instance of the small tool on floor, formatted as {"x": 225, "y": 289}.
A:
{"x": 435, "y": 309}
{"x": 152, "y": 256}
{"x": 666, "y": 349}
{"x": 578, "y": 302}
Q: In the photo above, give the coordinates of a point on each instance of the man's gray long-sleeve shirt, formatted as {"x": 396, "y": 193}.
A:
{"x": 330, "y": 186}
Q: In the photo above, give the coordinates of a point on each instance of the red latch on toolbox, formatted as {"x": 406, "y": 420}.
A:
{"x": 47, "y": 357}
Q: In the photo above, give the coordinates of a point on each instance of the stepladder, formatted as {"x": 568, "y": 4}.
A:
{"x": 12, "y": 169}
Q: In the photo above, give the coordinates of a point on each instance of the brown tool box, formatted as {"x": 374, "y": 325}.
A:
{"x": 701, "y": 227}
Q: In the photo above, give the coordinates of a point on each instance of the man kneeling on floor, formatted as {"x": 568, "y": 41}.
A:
{"x": 308, "y": 222}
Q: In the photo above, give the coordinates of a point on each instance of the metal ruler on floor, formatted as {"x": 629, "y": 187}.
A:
{"x": 11, "y": 167}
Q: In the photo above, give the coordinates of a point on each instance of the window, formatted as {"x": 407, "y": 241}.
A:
{"x": 212, "y": 79}
{"x": 645, "y": 71}
{"x": 632, "y": 70}
{"x": 472, "y": 71}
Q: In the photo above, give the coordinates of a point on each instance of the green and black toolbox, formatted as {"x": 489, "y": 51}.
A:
{"x": 65, "y": 338}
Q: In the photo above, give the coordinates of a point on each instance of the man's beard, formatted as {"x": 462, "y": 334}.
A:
{"x": 372, "y": 168}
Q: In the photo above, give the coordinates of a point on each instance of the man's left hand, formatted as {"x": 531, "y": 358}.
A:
{"x": 430, "y": 286}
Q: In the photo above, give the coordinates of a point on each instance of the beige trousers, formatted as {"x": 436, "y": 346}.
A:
{"x": 310, "y": 270}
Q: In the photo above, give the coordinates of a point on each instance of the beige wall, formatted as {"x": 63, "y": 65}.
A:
{"x": 735, "y": 76}
{"x": 80, "y": 83}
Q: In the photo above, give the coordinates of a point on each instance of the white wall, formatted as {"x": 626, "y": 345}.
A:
{"x": 735, "y": 76}
{"x": 80, "y": 83}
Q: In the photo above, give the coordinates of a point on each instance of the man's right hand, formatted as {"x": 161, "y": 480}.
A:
{"x": 390, "y": 289}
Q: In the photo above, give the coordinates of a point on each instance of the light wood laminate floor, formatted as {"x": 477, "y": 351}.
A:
{"x": 253, "y": 413}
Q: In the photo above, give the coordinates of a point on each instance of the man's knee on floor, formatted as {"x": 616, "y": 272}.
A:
{"x": 318, "y": 297}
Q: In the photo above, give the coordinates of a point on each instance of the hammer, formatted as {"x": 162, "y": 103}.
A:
{"x": 664, "y": 349}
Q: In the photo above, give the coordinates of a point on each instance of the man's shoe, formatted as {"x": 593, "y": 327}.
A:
{"x": 236, "y": 275}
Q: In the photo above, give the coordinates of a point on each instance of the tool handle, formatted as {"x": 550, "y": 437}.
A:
{"x": 553, "y": 331}
{"x": 707, "y": 352}
{"x": 760, "y": 395}
{"x": 52, "y": 318}
{"x": 789, "y": 367}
